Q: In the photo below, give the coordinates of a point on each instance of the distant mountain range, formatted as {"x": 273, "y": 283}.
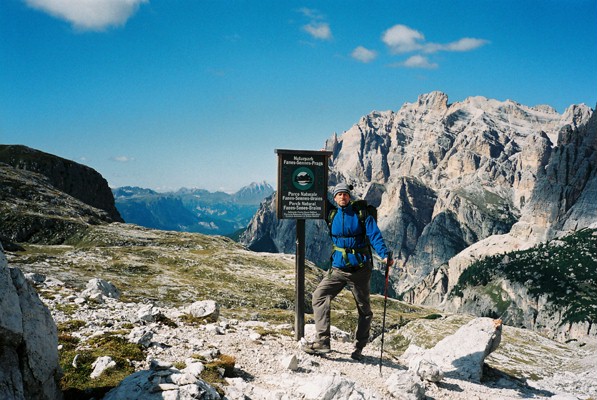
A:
{"x": 191, "y": 210}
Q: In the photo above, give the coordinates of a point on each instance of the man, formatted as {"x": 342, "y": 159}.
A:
{"x": 351, "y": 266}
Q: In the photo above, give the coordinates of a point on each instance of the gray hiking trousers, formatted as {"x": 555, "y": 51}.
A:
{"x": 334, "y": 281}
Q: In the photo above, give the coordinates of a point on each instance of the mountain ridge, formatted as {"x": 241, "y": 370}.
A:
{"x": 446, "y": 177}
{"x": 191, "y": 209}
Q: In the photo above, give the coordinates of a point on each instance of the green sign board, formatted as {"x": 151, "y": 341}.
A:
{"x": 302, "y": 184}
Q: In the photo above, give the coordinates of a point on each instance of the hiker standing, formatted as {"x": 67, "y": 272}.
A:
{"x": 353, "y": 234}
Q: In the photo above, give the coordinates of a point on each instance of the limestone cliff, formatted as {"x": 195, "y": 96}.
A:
{"x": 80, "y": 181}
{"x": 46, "y": 199}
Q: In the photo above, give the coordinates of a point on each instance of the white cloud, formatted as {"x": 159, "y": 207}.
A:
{"x": 363, "y": 54}
{"x": 402, "y": 39}
{"x": 310, "y": 13}
{"x": 317, "y": 27}
{"x": 319, "y": 30}
{"x": 94, "y": 15}
{"x": 466, "y": 44}
{"x": 417, "y": 61}
{"x": 122, "y": 159}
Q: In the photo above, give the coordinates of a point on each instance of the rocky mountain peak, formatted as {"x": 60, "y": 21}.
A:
{"x": 131, "y": 191}
{"x": 447, "y": 176}
{"x": 437, "y": 101}
{"x": 253, "y": 193}
{"x": 577, "y": 114}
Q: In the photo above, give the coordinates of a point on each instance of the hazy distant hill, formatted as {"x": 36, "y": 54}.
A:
{"x": 191, "y": 210}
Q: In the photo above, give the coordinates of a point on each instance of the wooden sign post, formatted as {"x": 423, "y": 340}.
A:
{"x": 301, "y": 195}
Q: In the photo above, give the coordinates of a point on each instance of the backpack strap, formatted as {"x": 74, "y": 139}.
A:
{"x": 330, "y": 218}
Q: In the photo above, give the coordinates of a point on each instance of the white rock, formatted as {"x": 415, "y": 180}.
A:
{"x": 96, "y": 297}
{"x": 214, "y": 329}
{"x": 340, "y": 335}
{"x": 184, "y": 378}
{"x": 35, "y": 278}
{"x": 106, "y": 288}
{"x": 462, "y": 354}
{"x": 289, "y": 362}
{"x": 563, "y": 396}
{"x": 332, "y": 387}
{"x": 205, "y": 308}
{"x": 100, "y": 365}
{"x": 28, "y": 339}
{"x": 194, "y": 368}
{"x": 140, "y": 335}
{"x": 425, "y": 369}
{"x": 146, "y": 313}
{"x": 405, "y": 385}
{"x": 413, "y": 351}
{"x": 164, "y": 387}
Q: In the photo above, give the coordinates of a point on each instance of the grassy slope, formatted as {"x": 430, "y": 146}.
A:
{"x": 564, "y": 270}
{"x": 174, "y": 269}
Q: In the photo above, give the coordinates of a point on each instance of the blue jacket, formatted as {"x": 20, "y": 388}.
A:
{"x": 346, "y": 232}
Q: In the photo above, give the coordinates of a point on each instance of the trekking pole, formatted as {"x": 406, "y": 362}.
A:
{"x": 385, "y": 303}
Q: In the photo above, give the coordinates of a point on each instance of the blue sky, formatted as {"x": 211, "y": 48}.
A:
{"x": 198, "y": 93}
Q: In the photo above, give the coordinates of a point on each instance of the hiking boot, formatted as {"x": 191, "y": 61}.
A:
{"x": 357, "y": 354}
{"x": 316, "y": 348}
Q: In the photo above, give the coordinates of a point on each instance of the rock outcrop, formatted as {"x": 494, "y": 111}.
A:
{"x": 35, "y": 206}
{"x": 77, "y": 180}
{"x": 29, "y": 366}
{"x": 163, "y": 381}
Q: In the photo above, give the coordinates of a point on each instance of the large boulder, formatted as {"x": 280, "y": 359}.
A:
{"x": 29, "y": 367}
{"x": 97, "y": 289}
{"x": 460, "y": 355}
